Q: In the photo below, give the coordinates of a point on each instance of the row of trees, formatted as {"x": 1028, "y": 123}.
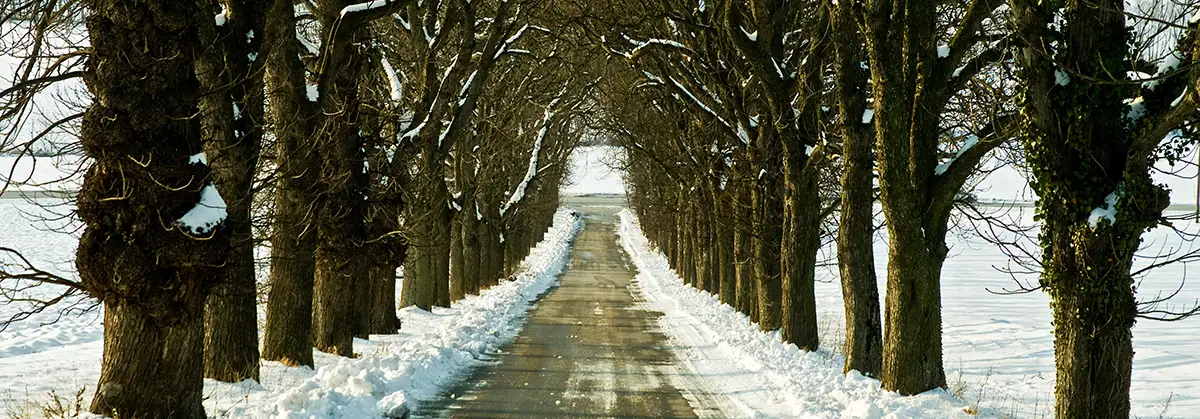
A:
{"x": 349, "y": 138}
{"x": 755, "y": 131}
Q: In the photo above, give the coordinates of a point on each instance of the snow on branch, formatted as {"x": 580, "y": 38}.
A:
{"x": 504, "y": 47}
{"x": 363, "y": 7}
{"x": 519, "y": 193}
{"x": 397, "y": 88}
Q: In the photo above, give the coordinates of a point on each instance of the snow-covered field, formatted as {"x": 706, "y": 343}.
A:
{"x": 393, "y": 371}
{"x": 592, "y": 172}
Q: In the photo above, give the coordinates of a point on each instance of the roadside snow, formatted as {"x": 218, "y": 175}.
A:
{"x": 764, "y": 376}
{"x": 432, "y": 351}
{"x": 429, "y": 352}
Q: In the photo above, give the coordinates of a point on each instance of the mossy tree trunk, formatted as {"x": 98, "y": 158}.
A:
{"x": 1091, "y": 157}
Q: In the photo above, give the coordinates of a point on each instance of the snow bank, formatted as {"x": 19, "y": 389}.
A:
{"x": 432, "y": 351}
{"x": 763, "y": 375}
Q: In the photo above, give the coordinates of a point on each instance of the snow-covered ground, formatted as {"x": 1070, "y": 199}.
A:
{"x": 998, "y": 349}
{"x": 762, "y": 375}
{"x": 592, "y": 172}
{"x": 392, "y": 372}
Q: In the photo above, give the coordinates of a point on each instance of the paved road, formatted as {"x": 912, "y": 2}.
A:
{"x": 586, "y": 351}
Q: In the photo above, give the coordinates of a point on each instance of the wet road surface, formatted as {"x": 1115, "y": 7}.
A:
{"x": 587, "y": 351}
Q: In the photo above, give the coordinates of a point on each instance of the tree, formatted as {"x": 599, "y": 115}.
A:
{"x": 232, "y": 108}
{"x": 1091, "y": 136}
{"x": 856, "y": 258}
{"x": 152, "y": 238}
{"x": 913, "y": 76}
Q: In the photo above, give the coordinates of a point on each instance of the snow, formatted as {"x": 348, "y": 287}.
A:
{"x": 943, "y": 51}
{"x": 594, "y": 171}
{"x": 519, "y": 193}
{"x": 311, "y": 91}
{"x": 28, "y": 173}
{"x": 431, "y": 351}
{"x": 971, "y": 141}
{"x": 743, "y": 134}
{"x": 1137, "y": 108}
{"x": 763, "y": 376}
{"x": 364, "y": 6}
{"x": 222, "y": 17}
{"x": 397, "y": 88}
{"x": 1106, "y": 212}
{"x": 998, "y": 350}
{"x": 198, "y": 158}
{"x": 206, "y": 215}
{"x": 752, "y": 36}
{"x": 1061, "y": 78}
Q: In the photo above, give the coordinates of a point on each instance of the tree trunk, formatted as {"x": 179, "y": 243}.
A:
{"x": 441, "y": 260}
{"x": 383, "y": 320}
{"x": 801, "y": 241}
{"x": 287, "y": 334}
{"x": 341, "y": 265}
{"x": 472, "y": 262}
{"x": 152, "y": 269}
{"x": 1086, "y": 154}
{"x": 458, "y": 267}
{"x": 418, "y": 289}
{"x": 856, "y": 261}
{"x": 912, "y": 357}
{"x": 148, "y": 370}
{"x": 766, "y": 244}
{"x": 233, "y": 114}
{"x": 856, "y": 227}
{"x": 426, "y": 272}
{"x": 1093, "y": 316}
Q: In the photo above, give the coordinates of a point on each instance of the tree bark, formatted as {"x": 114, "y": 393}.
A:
{"x": 766, "y": 244}
{"x": 801, "y": 241}
{"x": 472, "y": 261}
{"x": 287, "y": 334}
{"x": 458, "y": 266}
{"x": 233, "y": 114}
{"x": 1086, "y": 153}
{"x": 912, "y": 361}
{"x": 383, "y": 319}
{"x": 149, "y": 370}
{"x": 856, "y": 227}
{"x": 152, "y": 272}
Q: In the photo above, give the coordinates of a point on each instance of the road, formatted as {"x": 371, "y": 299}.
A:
{"x": 587, "y": 349}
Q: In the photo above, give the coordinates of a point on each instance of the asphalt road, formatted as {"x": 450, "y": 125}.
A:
{"x": 587, "y": 351}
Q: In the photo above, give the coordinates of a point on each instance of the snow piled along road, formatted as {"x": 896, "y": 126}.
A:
{"x": 762, "y": 375}
{"x": 431, "y": 351}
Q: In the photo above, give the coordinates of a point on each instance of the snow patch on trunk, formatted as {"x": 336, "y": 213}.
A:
{"x": 207, "y": 214}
